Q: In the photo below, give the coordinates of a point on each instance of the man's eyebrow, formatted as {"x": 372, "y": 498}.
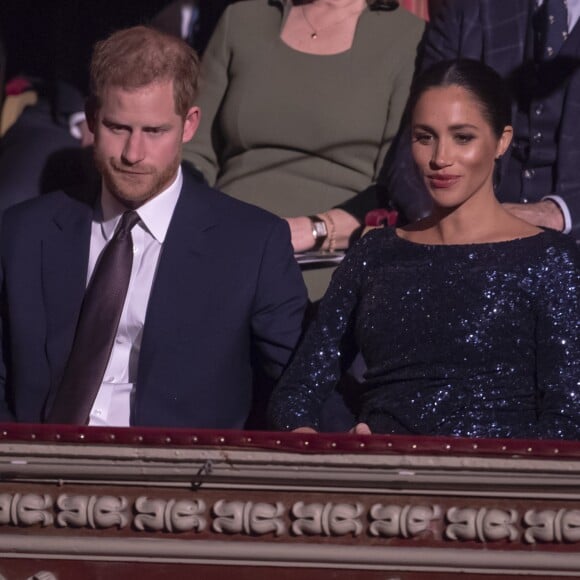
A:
{"x": 163, "y": 127}
{"x": 112, "y": 123}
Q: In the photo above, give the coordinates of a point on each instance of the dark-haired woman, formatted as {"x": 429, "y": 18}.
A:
{"x": 300, "y": 102}
{"x": 468, "y": 321}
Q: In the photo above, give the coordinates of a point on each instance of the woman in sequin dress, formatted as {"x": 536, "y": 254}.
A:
{"x": 468, "y": 321}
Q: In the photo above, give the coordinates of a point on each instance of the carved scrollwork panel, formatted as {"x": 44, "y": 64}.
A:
{"x": 461, "y": 524}
{"x": 185, "y": 515}
{"x": 229, "y": 517}
{"x": 265, "y": 518}
{"x": 318, "y": 519}
{"x": 43, "y": 575}
{"x": 97, "y": 512}
{"x": 540, "y": 526}
{"x": 238, "y": 517}
{"x": 5, "y": 511}
{"x": 552, "y": 526}
{"x": 570, "y": 525}
{"x": 173, "y": 515}
{"x": 484, "y": 525}
{"x": 107, "y": 511}
{"x": 403, "y": 521}
{"x": 26, "y": 509}
{"x": 150, "y": 514}
{"x": 73, "y": 510}
{"x": 32, "y": 509}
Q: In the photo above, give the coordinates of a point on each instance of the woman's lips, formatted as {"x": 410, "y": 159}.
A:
{"x": 443, "y": 181}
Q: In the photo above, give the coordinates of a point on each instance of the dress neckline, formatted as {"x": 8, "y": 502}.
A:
{"x": 354, "y": 42}
{"x": 472, "y": 245}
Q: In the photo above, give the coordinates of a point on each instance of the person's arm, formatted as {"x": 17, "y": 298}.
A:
{"x": 325, "y": 351}
{"x": 558, "y": 348}
{"x": 203, "y": 150}
{"x": 5, "y": 414}
{"x": 279, "y": 303}
{"x": 545, "y": 213}
{"x": 346, "y": 218}
{"x": 340, "y": 226}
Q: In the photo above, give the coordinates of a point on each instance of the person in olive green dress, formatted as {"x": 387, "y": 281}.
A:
{"x": 300, "y": 103}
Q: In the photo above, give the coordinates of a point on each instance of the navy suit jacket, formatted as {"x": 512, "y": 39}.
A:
{"x": 227, "y": 293}
{"x": 495, "y": 32}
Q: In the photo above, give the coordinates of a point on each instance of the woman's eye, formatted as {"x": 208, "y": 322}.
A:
{"x": 422, "y": 138}
{"x": 464, "y": 137}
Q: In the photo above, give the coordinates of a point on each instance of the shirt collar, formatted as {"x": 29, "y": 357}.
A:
{"x": 155, "y": 214}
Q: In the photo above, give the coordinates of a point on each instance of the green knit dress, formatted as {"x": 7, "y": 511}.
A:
{"x": 296, "y": 133}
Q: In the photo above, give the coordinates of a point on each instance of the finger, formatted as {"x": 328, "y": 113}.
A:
{"x": 362, "y": 429}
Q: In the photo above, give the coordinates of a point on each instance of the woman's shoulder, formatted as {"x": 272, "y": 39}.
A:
{"x": 546, "y": 264}
{"x": 374, "y": 243}
{"x": 400, "y": 23}
{"x": 251, "y": 19}
{"x": 254, "y": 9}
{"x": 556, "y": 247}
{"x": 245, "y": 22}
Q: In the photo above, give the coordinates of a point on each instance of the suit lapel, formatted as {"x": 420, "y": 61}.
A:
{"x": 505, "y": 33}
{"x": 568, "y": 147}
{"x": 64, "y": 269}
{"x": 179, "y": 281}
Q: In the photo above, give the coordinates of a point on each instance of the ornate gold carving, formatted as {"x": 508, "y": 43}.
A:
{"x": 405, "y": 521}
{"x": 327, "y": 519}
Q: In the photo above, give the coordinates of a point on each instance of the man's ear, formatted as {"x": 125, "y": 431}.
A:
{"x": 191, "y": 124}
{"x": 91, "y": 114}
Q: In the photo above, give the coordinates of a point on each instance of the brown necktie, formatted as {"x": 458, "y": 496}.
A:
{"x": 96, "y": 328}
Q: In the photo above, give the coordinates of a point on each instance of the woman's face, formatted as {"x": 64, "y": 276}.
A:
{"x": 454, "y": 146}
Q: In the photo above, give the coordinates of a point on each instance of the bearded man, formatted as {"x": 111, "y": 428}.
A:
{"x": 150, "y": 300}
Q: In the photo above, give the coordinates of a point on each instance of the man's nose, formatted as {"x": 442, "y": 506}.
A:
{"x": 134, "y": 149}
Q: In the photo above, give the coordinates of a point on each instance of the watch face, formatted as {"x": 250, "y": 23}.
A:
{"x": 320, "y": 229}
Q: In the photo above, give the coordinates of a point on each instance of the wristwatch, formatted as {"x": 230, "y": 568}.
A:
{"x": 319, "y": 231}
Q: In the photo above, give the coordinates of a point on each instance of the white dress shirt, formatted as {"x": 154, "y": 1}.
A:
{"x": 113, "y": 404}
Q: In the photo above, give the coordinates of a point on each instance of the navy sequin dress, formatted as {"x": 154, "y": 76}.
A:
{"x": 479, "y": 340}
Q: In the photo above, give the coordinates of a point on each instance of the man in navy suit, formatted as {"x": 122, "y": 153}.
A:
{"x": 214, "y": 293}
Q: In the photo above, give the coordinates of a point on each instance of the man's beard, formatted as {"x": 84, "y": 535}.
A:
{"x": 138, "y": 184}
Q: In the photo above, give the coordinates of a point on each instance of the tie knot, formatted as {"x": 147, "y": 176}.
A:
{"x": 128, "y": 221}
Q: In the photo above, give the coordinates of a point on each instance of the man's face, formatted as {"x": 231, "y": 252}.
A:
{"x": 138, "y": 140}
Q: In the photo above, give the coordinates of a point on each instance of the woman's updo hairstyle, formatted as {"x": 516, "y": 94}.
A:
{"x": 485, "y": 85}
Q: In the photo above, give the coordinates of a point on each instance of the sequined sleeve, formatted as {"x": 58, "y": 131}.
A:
{"x": 316, "y": 368}
{"x": 558, "y": 346}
